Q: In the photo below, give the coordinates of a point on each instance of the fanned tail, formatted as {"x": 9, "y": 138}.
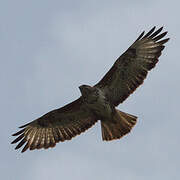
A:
{"x": 121, "y": 124}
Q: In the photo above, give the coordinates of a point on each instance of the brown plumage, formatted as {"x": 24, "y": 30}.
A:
{"x": 98, "y": 102}
{"x": 131, "y": 68}
{"x": 58, "y": 125}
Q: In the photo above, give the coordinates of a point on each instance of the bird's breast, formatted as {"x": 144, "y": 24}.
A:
{"x": 101, "y": 107}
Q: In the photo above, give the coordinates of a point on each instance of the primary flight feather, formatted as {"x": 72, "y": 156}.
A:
{"x": 98, "y": 102}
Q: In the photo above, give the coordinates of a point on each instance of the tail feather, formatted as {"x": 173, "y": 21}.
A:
{"x": 120, "y": 125}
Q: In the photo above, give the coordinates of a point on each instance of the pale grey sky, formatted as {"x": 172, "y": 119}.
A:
{"x": 49, "y": 48}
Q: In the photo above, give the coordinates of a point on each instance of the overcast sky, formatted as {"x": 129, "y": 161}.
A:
{"x": 49, "y": 48}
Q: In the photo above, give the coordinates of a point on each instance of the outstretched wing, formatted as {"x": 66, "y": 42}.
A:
{"x": 57, "y": 125}
{"x": 131, "y": 68}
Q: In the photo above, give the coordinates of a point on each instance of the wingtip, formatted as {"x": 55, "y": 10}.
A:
{"x": 149, "y": 32}
{"x": 25, "y": 148}
{"x": 12, "y": 142}
{"x": 18, "y": 133}
{"x": 22, "y": 151}
{"x": 164, "y": 41}
{"x": 160, "y": 29}
{"x": 24, "y": 125}
{"x": 16, "y": 148}
{"x": 156, "y": 38}
{"x": 153, "y": 28}
{"x": 140, "y": 36}
{"x": 13, "y": 134}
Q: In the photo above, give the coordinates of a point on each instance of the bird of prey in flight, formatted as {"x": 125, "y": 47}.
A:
{"x": 99, "y": 101}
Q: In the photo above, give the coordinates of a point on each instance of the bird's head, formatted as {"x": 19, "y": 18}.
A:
{"x": 85, "y": 90}
{"x": 89, "y": 93}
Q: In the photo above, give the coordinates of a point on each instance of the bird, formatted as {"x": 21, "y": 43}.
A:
{"x": 98, "y": 102}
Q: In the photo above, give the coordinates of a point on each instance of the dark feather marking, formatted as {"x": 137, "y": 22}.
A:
{"x": 18, "y": 139}
{"x": 149, "y": 33}
{"x": 55, "y": 134}
{"x": 77, "y": 130}
{"x": 156, "y": 32}
{"x": 61, "y": 135}
{"x": 69, "y": 132}
{"x": 25, "y": 125}
{"x": 74, "y": 130}
{"x": 19, "y": 132}
{"x": 140, "y": 36}
{"x": 163, "y": 41}
{"x": 65, "y": 133}
{"x": 160, "y": 36}
{"x": 25, "y": 147}
{"x": 21, "y": 143}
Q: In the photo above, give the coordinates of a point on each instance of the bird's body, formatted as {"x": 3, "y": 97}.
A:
{"x": 98, "y": 102}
